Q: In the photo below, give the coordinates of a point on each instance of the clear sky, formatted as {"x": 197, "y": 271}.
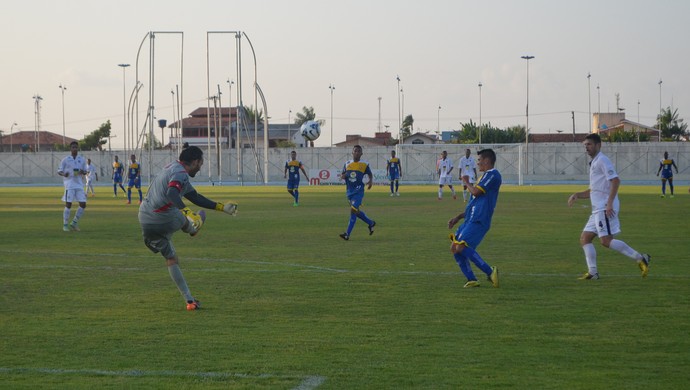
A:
{"x": 440, "y": 49}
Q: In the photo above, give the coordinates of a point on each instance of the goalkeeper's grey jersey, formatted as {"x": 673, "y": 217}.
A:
{"x": 156, "y": 207}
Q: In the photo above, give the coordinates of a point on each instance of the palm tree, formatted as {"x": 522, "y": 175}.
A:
{"x": 670, "y": 125}
{"x": 251, "y": 113}
{"x": 307, "y": 114}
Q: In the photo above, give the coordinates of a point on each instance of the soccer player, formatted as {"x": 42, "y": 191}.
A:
{"x": 444, "y": 167}
{"x": 467, "y": 167}
{"x": 665, "y": 167}
{"x": 163, "y": 212}
{"x": 477, "y": 215}
{"x": 118, "y": 168}
{"x": 72, "y": 168}
{"x": 603, "y": 194}
{"x": 294, "y": 166}
{"x": 134, "y": 176}
{"x": 353, "y": 173}
{"x": 91, "y": 174}
{"x": 394, "y": 170}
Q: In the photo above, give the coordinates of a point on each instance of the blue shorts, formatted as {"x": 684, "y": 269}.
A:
{"x": 355, "y": 200}
{"x": 136, "y": 182}
{"x": 666, "y": 175}
{"x": 293, "y": 184}
{"x": 117, "y": 178}
{"x": 394, "y": 176}
{"x": 471, "y": 233}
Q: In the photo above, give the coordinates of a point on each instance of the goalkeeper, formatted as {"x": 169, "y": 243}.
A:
{"x": 163, "y": 212}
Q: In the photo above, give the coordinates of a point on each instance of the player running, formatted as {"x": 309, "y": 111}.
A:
{"x": 72, "y": 168}
{"x": 134, "y": 176}
{"x": 353, "y": 173}
{"x": 467, "y": 167}
{"x": 91, "y": 174}
{"x": 118, "y": 169}
{"x": 444, "y": 167}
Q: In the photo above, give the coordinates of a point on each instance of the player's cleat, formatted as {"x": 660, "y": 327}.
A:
{"x": 672, "y": 196}
{"x": 392, "y": 194}
{"x": 644, "y": 264}
{"x": 73, "y": 226}
{"x": 295, "y": 204}
{"x": 588, "y": 276}
{"x": 193, "y": 305}
{"x": 493, "y": 278}
{"x": 371, "y": 227}
{"x": 663, "y": 196}
{"x": 397, "y": 194}
{"x": 65, "y": 228}
{"x": 345, "y": 236}
{"x": 455, "y": 197}
{"x": 439, "y": 198}
{"x": 471, "y": 283}
{"x": 129, "y": 202}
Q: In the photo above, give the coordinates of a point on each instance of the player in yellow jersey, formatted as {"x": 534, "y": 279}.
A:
{"x": 666, "y": 168}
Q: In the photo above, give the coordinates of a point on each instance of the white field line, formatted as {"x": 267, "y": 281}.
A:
{"x": 307, "y": 383}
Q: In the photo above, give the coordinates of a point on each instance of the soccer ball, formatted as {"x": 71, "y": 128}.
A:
{"x": 311, "y": 130}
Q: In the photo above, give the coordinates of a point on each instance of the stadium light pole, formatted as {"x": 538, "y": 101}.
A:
{"x": 63, "y": 88}
{"x": 399, "y": 113}
{"x": 589, "y": 96}
{"x": 480, "y": 111}
{"x": 11, "y": 132}
{"x": 527, "y": 58}
{"x": 124, "y": 107}
{"x": 289, "y": 125}
{"x": 332, "y": 88}
{"x": 438, "y": 120}
{"x": 598, "y": 108}
{"x": 660, "y": 109}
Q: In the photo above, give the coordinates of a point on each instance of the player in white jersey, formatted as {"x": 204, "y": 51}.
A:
{"x": 444, "y": 167}
{"x": 72, "y": 168}
{"x": 91, "y": 174}
{"x": 467, "y": 167}
{"x": 603, "y": 222}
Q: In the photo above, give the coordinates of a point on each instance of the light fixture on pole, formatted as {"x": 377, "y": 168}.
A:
{"x": 289, "y": 137}
{"x": 11, "y": 132}
{"x": 332, "y": 88}
{"x": 438, "y": 120}
{"x": 527, "y": 58}
{"x": 399, "y": 112}
{"x": 124, "y": 108}
{"x": 660, "y": 109}
{"x": 63, "y": 88}
{"x": 480, "y": 111}
{"x": 598, "y": 108}
{"x": 589, "y": 95}
{"x": 230, "y": 83}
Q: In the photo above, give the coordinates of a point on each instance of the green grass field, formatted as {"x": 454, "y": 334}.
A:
{"x": 288, "y": 304}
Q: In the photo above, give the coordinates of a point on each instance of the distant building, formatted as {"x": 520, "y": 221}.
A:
{"x": 379, "y": 139}
{"x": 607, "y": 123}
{"x": 26, "y": 141}
{"x": 421, "y": 139}
{"x": 195, "y": 130}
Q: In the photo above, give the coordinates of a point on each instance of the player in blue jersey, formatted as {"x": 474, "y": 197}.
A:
{"x": 293, "y": 166}
{"x": 477, "y": 222}
{"x": 666, "y": 168}
{"x": 134, "y": 176}
{"x": 118, "y": 169}
{"x": 353, "y": 174}
{"x": 394, "y": 170}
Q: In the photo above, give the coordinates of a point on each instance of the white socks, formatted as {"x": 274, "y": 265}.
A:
{"x": 622, "y": 247}
{"x": 591, "y": 257}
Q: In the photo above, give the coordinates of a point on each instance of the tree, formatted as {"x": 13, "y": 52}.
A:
{"x": 97, "y": 138}
{"x": 469, "y": 132}
{"x": 407, "y": 126}
{"x": 156, "y": 143}
{"x": 251, "y": 113}
{"x": 626, "y": 136}
{"x": 307, "y": 114}
{"x": 672, "y": 128}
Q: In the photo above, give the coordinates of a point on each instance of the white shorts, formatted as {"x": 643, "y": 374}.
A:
{"x": 447, "y": 180}
{"x": 76, "y": 195}
{"x": 602, "y": 225}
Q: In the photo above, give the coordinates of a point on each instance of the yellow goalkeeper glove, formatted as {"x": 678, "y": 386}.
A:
{"x": 195, "y": 219}
{"x": 229, "y": 207}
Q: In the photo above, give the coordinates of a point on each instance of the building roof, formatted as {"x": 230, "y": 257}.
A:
{"x": 28, "y": 137}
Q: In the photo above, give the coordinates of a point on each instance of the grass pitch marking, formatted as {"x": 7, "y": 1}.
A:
{"x": 307, "y": 383}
